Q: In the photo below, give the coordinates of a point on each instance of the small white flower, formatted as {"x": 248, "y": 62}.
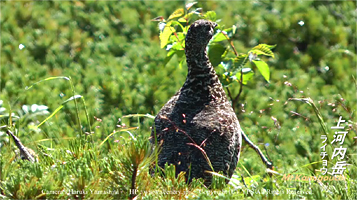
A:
{"x": 21, "y": 46}
{"x": 301, "y": 23}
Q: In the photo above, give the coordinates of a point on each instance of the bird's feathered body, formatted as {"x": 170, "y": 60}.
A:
{"x": 197, "y": 128}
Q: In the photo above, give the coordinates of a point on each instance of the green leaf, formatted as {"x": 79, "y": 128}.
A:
{"x": 259, "y": 52}
{"x": 230, "y": 77}
{"x": 181, "y": 62}
{"x": 173, "y": 52}
{"x": 239, "y": 62}
{"x": 49, "y": 117}
{"x": 226, "y": 78}
{"x": 179, "y": 38}
{"x": 177, "y": 46}
{"x": 220, "y": 69}
{"x": 210, "y": 15}
{"x": 177, "y": 13}
{"x": 215, "y": 52}
{"x": 182, "y": 20}
{"x": 227, "y": 64}
{"x": 263, "y": 68}
{"x": 186, "y": 18}
{"x": 169, "y": 55}
{"x": 165, "y": 35}
{"x": 218, "y": 37}
{"x": 247, "y": 75}
{"x": 235, "y": 64}
{"x": 175, "y": 23}
{"x": 47, "y": 79}
{"x": 263, "y": 49}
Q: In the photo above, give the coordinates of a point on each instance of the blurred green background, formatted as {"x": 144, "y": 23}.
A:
{"x": 111, "y": 51}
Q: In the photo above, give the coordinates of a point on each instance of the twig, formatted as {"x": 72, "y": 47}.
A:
{"x": 235, "y": 99}
{"x": 259, "y": 152}
{"x": 243, "y": 182}
{"x": 230, "y": 42}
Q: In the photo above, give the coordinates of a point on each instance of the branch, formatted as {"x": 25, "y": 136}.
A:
{"x": 259, "y": 152}
{"x": 230, "y": 42}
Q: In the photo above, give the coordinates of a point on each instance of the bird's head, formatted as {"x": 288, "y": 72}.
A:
{"x": 200, "y": 33}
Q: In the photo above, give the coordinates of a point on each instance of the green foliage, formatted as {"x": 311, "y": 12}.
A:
{"x": 113, "y": 53}
{"x": 173, "y": 33}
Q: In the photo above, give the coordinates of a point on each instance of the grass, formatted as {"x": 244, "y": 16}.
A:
{"x": 80, "y": 167}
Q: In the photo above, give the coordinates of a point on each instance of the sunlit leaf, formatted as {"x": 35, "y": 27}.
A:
{"x": 259, "y": 52}
{"x": 177, "y": 13}
{"x": 181, "y": 36}
{"x": 182, "y": 20}
{"x": 247, "y": 75}
{"x": 210, "y": 15}
{"x": 218, "y": 37}
{"x": 49, "y": 117}
{"x": 175, "y": 23}
{"x": 47, "y": 79}
{"x": 186, "y": 18}
{"x": 240, "y": 61}
{"x": 263, "y": 68}
{"x": 165, "y": 35}
{"x": 264, "y": 49}
{"x": 222, "y": 35}
{"x": 177, "y": 46}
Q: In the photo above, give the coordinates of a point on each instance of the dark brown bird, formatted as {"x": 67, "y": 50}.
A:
{"x": 197, "y": 128}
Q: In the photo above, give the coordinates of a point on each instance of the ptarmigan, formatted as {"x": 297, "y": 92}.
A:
{"x": 197, "y": 128}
